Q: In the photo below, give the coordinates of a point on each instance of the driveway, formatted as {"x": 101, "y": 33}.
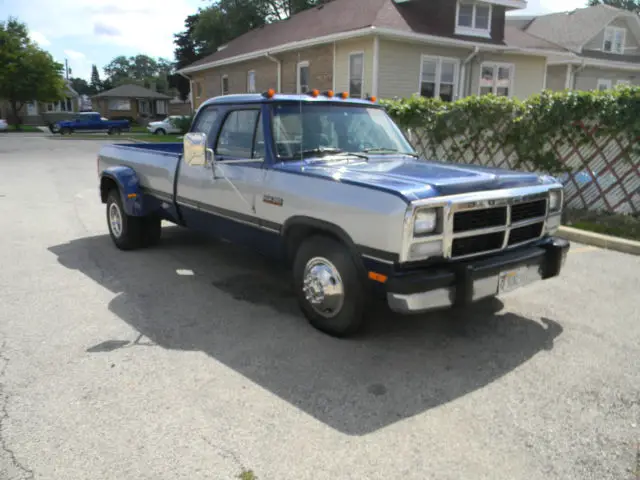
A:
{"x": 191, "y": 360}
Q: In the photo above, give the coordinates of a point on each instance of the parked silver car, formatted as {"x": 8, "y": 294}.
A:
{"x": 165, "y": 126}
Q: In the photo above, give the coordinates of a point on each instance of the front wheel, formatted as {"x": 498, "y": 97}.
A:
{"x": 129, "y": 232}
{"x": 328, "y": 287}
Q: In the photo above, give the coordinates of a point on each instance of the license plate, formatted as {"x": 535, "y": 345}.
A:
{"x": 511, "y": 279}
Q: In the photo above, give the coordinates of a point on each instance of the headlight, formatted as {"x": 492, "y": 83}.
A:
{"x": 555, "y": 200}
{"x": 425, "y": 222}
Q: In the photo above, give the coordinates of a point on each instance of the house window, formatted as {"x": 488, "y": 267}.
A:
{"x": 614, "y": 39}
{"x": 439, "y": 77}
{"x": 224, "y": 85}
{"x": 604, "y": 84}
{"x": 161, "y": 107}
{"x": 251, "y": 81}
{"x": 356, "y": 74}
{"x": 302, "y": 82}
{"x": 623, "y": 82}
{"x": 473, "y": 18}
{"x": 32, "y": 109}
{"x": 69, "y": 105}
{"x": 497, "y": 79}
{"x": 121, "y": 104}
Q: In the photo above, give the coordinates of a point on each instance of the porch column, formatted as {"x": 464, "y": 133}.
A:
{"x": 567, "y": 82}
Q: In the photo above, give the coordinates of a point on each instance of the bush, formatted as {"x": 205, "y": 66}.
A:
{"x": 527, "y": 127}
{"x": 184, "y": 123}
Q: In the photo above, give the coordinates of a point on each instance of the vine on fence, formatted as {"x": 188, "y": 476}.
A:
{"x": 528, "y": 127}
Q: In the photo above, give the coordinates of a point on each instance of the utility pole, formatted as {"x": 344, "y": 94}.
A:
{"x": 66, "y": 68}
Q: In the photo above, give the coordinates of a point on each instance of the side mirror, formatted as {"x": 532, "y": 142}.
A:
{"x": 195, "y": 149}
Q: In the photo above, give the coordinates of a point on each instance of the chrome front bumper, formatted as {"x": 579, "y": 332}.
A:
{"x": 463, "y": 283}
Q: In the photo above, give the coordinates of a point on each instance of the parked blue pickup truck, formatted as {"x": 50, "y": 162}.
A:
{"x": 331, "y": 186}
{"x": 90, "y": 122}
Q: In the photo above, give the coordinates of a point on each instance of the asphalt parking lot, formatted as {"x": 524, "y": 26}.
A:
{"x": 190, "y": 360}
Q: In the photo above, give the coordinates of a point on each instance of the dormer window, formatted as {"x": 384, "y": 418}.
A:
{"x": 614, "y": 40}
{"x": 473, "y": 18}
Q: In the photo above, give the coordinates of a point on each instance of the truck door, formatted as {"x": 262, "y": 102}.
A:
{"x": 222, "y": 198}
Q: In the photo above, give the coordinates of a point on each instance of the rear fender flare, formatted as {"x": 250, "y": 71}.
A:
{"x": 128, "y": 185}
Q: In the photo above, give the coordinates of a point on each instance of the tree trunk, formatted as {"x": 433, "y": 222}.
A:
{"x": 15, "y": 107}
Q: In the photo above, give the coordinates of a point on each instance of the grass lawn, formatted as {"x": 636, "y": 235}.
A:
{"x": 616, "y": 225}
{"x": 24, "y": 129}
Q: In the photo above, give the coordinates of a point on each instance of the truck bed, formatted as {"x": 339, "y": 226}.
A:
{"x": 154, "y": 163}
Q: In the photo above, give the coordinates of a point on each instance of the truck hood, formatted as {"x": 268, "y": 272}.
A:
{"x": 415, "y": 179}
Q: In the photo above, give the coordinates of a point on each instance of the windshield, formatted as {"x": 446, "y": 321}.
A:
{"x": 308, "y": 129}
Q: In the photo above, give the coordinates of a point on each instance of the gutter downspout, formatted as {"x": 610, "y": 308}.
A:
{"x": 191, "y": 100}
{"x": 463, "y": 71}
{"x": 279, "y": 64}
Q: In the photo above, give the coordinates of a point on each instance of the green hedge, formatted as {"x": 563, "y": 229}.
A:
{"x": 525, "y": 126}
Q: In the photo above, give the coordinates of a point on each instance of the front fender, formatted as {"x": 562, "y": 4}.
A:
{"x": 128, "y": 185}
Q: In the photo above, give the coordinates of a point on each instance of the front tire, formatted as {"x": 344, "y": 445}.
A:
{"x": 329, "y": 290}
{"x": 128, "y": 232}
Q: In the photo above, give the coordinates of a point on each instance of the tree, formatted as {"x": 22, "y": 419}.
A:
{"x": 631, "y": 5}
{"x": 96, "y": 84}
{"x": 140, "y": 70}
{"x": 187, "y": 51}
{"x": 27, "y": 73}
{"x": 81, "y": 86}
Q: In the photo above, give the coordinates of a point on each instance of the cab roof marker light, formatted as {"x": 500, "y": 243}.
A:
{"x": 344, "y": 95}
{"x": 329, "y": 93}
{"x": 314, "y": 93}
{"x": 372, "y": 99}
{"x": 269, "y": 93}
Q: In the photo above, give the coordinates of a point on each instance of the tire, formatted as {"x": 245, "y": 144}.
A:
{"x": 65, "y": 131}
{"x": 114, "y": 131}
{"x": 345, "y": 314}
{"x": 128, "y": 232}
{"x": 160, "y": 131}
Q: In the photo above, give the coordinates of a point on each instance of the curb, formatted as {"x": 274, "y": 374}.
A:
{"x": 598, "y": 240}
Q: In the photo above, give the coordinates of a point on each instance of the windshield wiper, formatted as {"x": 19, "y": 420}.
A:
{"x": 390, "y": 151}
{"x": 329, "y": 151}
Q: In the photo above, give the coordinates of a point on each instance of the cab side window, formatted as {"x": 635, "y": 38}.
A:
{"x": 205, "y": 121}
{"x": 241, "y": 135}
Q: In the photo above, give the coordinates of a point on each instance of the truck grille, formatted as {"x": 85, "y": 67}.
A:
{"x": 526, "y": 211}
{"x": 522, "y": 234}
{"x": 465, "y": 222}
{"x": 481, "y": 243}
{"x": 477, "y": 219}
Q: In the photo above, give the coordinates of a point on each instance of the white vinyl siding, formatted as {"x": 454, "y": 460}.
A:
{"x": 342, "y": 63}
{"x": 400, "y": 62}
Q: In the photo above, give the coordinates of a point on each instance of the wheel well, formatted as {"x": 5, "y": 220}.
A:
{"x": 106, "y": 185}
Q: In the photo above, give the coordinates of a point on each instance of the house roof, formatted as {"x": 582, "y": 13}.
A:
{"x": 336, "y": 17}
{"x": 574, "y": 28}
{"x": 131, "y": 91}
{"x": 515, "y": 37}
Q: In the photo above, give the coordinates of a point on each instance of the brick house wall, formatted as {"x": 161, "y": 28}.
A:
{"x": 208, "y": 83}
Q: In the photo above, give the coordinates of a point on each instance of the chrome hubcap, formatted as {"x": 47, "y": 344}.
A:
{"x": 323, "y": 287}
{"x": 115, "y": 220}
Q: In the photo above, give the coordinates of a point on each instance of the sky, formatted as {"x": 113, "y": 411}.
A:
{"x": 86, "y": 32}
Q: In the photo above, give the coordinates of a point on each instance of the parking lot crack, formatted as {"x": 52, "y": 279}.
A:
{"x": 4, "y": 417}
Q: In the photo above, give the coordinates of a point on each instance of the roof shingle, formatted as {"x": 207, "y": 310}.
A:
{"x": 132, "y": 91}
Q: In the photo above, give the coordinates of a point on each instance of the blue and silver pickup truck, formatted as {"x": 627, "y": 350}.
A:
{"x": 331, "y": 186}
{"x": 90, "y": 122}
